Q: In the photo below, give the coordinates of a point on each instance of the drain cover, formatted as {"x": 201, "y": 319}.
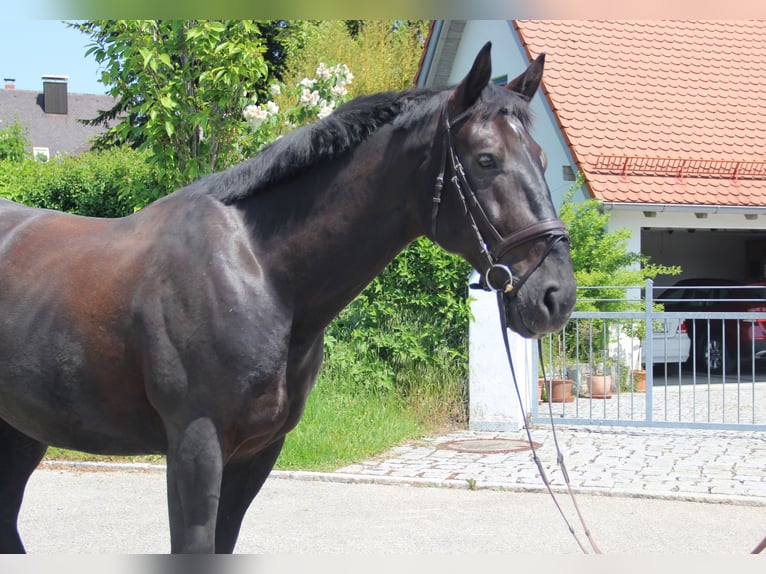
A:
{"x": 489, "y": 445}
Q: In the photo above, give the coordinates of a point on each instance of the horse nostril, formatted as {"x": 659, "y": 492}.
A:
{"x": 556, "y": 301}
{"x": 550, "y": 300}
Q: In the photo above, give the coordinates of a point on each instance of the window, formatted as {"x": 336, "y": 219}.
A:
{"x": 42, "y": 154}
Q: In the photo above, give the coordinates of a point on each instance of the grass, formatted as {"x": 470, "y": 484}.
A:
{"x": 338, "y": 429}
{"x": 346, "y": 423}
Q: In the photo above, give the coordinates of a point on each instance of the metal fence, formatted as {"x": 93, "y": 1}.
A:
{"x": 683, "y": 388}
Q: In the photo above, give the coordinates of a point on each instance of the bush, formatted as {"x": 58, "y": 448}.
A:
{"x": 104, "y": 184}
{"x": 413, "y": 315}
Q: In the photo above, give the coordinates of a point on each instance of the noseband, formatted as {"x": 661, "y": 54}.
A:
{"x": 493, "y": 246}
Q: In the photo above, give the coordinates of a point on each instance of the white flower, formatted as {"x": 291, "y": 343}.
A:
{"x": 249, "y": 111}
{"x": 308, "y": 98}
{"x": 325, "y": 109}
{"x": 344, "y": 74}
{"x": 323, "y": 71}
{"x": 254, "y": 115}
{"x": 275, "y": 89}
{"x": 338, "y": 91}
{"x": 272, "y": 108}
{"x": 306, "y": 83}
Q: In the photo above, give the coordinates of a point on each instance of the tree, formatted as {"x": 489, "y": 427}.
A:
{"x": 14, "y": 143}
{"x": 181, "y": 86}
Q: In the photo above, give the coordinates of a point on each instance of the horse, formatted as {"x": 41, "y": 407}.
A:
{"x": 194, "y": 327}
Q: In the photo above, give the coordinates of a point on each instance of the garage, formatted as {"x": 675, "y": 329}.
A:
{"x": 704, "y": 252}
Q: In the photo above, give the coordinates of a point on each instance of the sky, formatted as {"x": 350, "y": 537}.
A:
{"x": 30, "y": 49}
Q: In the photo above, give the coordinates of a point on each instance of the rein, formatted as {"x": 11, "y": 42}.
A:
{"x": 559, "y": 455}
{"x": 492, "y": 245}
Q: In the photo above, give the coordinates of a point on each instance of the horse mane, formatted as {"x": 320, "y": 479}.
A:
{"x": 328, "y": 139}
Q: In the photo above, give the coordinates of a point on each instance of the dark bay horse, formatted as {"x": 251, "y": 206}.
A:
{"x": 194, "y": 327}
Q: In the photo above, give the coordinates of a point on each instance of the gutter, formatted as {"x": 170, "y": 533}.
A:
{"x": 426, "y": 58}
{"x": 685, "y": 208}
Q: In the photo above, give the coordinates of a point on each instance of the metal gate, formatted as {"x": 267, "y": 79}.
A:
{"x": 702, "y": 369}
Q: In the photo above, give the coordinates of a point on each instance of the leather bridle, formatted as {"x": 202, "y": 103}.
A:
{"x": 492, "y": 245}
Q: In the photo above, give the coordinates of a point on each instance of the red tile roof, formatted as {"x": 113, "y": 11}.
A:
{"x": 670, "y": 112}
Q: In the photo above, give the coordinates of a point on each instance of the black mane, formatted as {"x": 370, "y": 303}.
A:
{"x": 328, "y": 139}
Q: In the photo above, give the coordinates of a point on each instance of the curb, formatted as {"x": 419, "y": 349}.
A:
{"x": 348, "y": 478}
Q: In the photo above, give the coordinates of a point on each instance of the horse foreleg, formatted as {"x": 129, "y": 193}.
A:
{"x": 241, "y": 483}
{"x": 195, "y": 467}
{"x": 19, "y": 456}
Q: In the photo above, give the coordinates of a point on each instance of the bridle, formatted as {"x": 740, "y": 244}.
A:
{"x": 492, "y": 245}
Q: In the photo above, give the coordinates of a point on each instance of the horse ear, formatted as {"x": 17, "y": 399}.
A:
{"x": 528, "y": 82}
{"x": 469, "y": 90}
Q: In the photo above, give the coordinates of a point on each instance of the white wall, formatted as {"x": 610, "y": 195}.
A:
{"x": 494, "y": 404}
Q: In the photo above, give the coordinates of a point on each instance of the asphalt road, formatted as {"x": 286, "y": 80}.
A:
{"x": 86, "y": 512}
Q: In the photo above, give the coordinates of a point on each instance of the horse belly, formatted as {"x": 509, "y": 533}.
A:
{"x": 64, "y": 400}
{"x": 71, "y": 382}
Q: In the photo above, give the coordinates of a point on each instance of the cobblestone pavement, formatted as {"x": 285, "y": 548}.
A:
{"x": 694, "y": 401}
{"x": 705, "y": 465}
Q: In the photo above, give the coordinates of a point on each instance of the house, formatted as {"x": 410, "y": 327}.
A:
{"x": 51, "y": 116}
{"x": 664, "y": 119}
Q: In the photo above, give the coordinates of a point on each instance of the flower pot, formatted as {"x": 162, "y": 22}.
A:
{"x": 600, "y": 386}
{"x": 639, "y": 381}
{"x": 558, "y": 390}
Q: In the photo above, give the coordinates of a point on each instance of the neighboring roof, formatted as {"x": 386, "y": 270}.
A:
{"x": 60, "y": 133}
{"x": 666, "y": 112}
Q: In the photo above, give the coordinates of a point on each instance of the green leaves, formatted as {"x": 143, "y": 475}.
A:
{"x": 601, "y": 257}
{"x": 103, "y": 184}
{"x": 181, "y": 86}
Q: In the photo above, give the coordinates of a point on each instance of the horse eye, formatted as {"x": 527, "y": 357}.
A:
{"x": 485, "y": 160}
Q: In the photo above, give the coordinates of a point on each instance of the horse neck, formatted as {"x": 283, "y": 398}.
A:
{"x": 326, "y": 234}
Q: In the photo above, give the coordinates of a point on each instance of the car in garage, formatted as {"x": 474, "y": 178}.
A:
{"x": 721, "y": 344}
{"x": 670, "y": 342}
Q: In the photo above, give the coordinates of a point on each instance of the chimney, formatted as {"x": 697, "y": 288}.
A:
{"x": 55, "y": 94}
{"x": 10, "y": 83}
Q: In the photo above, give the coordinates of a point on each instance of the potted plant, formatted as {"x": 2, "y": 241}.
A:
{"x": 557, "y": 390}
{"x": 639, "y": 380}
{"x": 638, "y": 374}
{"x": 600, "y": 378}
{"x": 556, "y": 386}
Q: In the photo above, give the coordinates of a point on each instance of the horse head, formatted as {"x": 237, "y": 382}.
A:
{"x": 492, "y": 204}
